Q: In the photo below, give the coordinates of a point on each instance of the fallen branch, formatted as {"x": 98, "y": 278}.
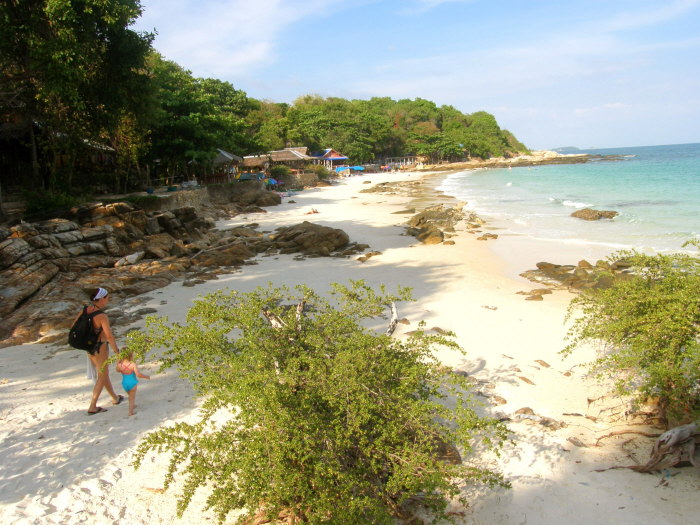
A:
{"x": 674, "y": 446}
{"x": 211, "y": 248}
{"x": 394, "y": 320}
{"x": 623, "y": 432}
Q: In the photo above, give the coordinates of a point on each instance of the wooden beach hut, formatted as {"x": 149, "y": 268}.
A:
{"x": 223, "y": 168}
{"x": 330, "y": 159}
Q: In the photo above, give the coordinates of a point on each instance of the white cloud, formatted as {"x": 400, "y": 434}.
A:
{"x": 638, "y": 18}
{"x": 421, "y": 6}
{"x": 583, "y": 82}
{"x": 478, "y": 74}
{"x": 220, "y": 37}
{"x": 591, "y": 54}
{"x": 607, "y": 109}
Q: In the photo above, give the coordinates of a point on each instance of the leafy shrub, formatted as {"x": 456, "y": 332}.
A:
{"x": 279, "y": 172}
{"x": 649, "y": 325}
{"x": 38, "y": 202}
{"x": 321, "y": 171}
{"x": 308, "y": 415}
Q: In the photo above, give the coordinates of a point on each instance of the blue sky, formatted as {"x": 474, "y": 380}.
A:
{"x": 586, "y": 73}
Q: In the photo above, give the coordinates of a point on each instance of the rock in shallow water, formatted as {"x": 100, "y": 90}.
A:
{"x": 589, "y": 214}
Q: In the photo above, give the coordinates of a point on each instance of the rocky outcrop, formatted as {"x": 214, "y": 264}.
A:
{"x": 404, "y": 188}
{"x": 310, "y": 239}
{"x": 535, "y": 158}
{"x": 430, "y": 225}
{"x": 301, "y": 180}
{"x": 47, "y": 268}
{"x": 67, "y": 256}
{"x": 578, "y": 277}
{"x": 487, "y": 236}
{"x": 589, "y": 214}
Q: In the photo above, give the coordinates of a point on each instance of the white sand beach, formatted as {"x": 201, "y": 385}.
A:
{"x": 57, "y": 465}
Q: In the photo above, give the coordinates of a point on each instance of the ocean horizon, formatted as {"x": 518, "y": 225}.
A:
{"x": 655, "y": 190}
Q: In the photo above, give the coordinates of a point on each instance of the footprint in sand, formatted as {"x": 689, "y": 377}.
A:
{"x": 116, "y": 474}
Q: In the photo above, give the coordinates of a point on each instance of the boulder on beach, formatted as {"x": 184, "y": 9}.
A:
{"x": 429, "y": 225}
{"x": 589, "y": 214}
{"x": 311, "y": 239}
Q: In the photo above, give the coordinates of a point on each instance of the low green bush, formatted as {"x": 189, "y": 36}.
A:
{"x": 40, "y": 202}
{"x": 648, "y": 329}
{"x": 280, "y": 172}
{"x": 321, "y": 171}
{"x": 309, "y": 416}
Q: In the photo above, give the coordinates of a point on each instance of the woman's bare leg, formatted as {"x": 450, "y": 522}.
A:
{"x": 132, "y": 400}
{"x": 103, "y": 380}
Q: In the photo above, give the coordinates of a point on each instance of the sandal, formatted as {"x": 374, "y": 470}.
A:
{"x": 99, "y": 409}
{"x": 120, "y": 398}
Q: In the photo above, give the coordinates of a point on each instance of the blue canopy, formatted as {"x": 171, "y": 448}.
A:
{"x": 251, "y": 176}
{"x": 355, "y": 168}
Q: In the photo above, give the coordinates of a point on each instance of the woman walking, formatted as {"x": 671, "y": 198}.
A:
{"x": 105, "y": 338}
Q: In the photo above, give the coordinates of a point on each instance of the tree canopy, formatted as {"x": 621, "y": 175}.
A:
{"x": 73, "y": 68}
{"x": 78, "y": 84}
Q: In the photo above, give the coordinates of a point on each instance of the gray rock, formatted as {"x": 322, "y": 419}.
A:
{"x": 589, "y": 214}
{"x": 11, "y": 250}
{"x": 312, "y": 239}
{"x": 17, "y": 284}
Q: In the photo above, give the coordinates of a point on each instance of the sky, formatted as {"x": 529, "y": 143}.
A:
{"x": 584, "y": 73}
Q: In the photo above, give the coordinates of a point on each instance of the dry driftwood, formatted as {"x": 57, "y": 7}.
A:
{"x": 276, "y": 322}
{"x": 623, "y": 432}
{"x": 674, "y": 446}
{"x": 394, "y": 320}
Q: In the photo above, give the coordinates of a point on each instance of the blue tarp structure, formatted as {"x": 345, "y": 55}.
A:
{"x": 354, "y": 168}
{"x": 251, "y": 176}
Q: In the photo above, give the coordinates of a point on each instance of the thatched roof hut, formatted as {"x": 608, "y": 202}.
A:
{"x": 292, "y": 157}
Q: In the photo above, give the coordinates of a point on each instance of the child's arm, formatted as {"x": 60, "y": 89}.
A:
{"x": 139, "y": 374}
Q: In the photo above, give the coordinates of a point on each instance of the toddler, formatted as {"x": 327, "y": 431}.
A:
{"x": 127, "y": 367}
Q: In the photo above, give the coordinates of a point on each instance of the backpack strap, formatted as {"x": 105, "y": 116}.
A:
{"x": 91, "y": 317}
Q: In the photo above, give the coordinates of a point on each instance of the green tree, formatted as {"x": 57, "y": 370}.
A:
{"x": 514, "y": 145}
{"x": 229, "y": 107}
{"x": 73, "y": 67}
{"x": 184, "y": 130}
{"x": 381, "y": 127}
{"x": 648, "y": 326}
{"x": 267, "y": 125}
{"x": 310, "y": 416}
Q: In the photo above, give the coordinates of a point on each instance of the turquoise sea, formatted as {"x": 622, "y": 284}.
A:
{"x": 655, "y": 189}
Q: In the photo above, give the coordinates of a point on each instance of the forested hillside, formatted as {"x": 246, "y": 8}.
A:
{"x": 366, "y": 130}
{"x": 86, "y": 102}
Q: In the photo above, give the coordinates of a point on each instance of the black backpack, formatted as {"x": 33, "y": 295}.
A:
{"x": 82, "y": 334}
